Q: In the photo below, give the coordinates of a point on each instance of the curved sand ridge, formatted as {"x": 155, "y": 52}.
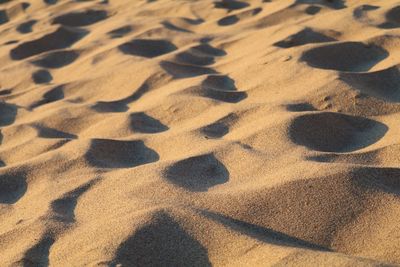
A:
{"x": 199, "y": 133}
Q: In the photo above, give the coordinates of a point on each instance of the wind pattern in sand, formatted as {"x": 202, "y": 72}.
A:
{"x": 199, "y": 133}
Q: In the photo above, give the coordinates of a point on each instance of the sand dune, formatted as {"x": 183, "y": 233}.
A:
{"x": 199, "y": 133}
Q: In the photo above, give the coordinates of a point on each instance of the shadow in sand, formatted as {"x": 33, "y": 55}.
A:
{"x": 38, "y": 255}
{"x": 122, "y": 104}
{"x": 335, "y": 132}
{"x": 198, "y": 174}
{"x": 8, "y": 113}
{"x": 52, "y": 95}
{"x": 219, "y": 87}
{"x": 79, "y": 19}
{"x": 335, "y": 4}
{"x": 260, "y": 233}
{"x": 306, "y": 36}
{"x": 26, "y": 27}
{"x": 108, "y": 153}
{"x": 392, "y": 19}
{"x": 221, "y": 127}
{"x": 12, "y": 187}
{"x": 161, "y": 242}
{"x": 383, "y": 84}
{"x": 147, "y": 48}
{"x": 58, "y": 59}
{"x": 46, "y": 132}
{"x": 142, "y": 123}
{"x": 231, "y": 5}
{"x": 61, "y": 38}
{"x": 345, "y": 56}
{"x": 120, "y": 32}
{"x": 64, "y": 207}
{"x": 42, "y": 76}
{"x": 182, "y": 71}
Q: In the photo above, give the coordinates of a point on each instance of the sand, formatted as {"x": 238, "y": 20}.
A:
{"x": 199, "y": 133}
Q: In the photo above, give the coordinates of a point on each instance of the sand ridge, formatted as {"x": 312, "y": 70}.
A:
{"x": 199, "y": 133}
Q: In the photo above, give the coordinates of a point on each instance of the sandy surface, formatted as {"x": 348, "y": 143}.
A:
{"x": 198, "y": 133}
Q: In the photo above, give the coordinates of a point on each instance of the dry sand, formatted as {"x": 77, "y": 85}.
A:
{"x": 198, "y": 133}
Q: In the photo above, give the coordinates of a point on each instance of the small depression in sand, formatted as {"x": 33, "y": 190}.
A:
{"x": 41, "y": 76}
{"x": 26, "y": 27}
{"x": 78, "y": 19}
{"x": 8, "y": 112}
{"x": 306, "y": 36}
{"x": 335, "y": 4}
{"x": 166, "y": 244}
{"x": 221, "y": 127}
{"x": 182, "y": 71}
{"x": 335, "y": 132}
{"x": 12, "y": 188}
{"x": 221, "y": 88}
{"x": 142, "y": 123}
{"x": 383, "y": 84}
{"x": 386, "y": 156}
{"x": 347, "y": 56}
{"x": 191, "y": 58}
{"x": 207, "y": 50}
{"x": 392, "y": 18}
{"x": 147, "y": 48}
{"x": 107, "y": 153}
{"x": 231, "y": 4}
{"x": 61, "y": 38}
{"x": 233, "y": 19}
{"x": 52, "y": 95}
{"x": 120, "y": 32}
{"x": 57, "y": 59}
{"x": 198, "y": 173}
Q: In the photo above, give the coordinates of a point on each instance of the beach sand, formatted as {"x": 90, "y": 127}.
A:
{"x": 199, "y": 133}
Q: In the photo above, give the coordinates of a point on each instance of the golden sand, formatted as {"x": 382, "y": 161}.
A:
{"x": 199, "y": 133}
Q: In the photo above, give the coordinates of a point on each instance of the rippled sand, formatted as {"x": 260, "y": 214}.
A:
{"x": 199, "y": 133}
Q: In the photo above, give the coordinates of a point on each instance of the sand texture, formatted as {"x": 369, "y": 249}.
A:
{"x": 199, "y": 133}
